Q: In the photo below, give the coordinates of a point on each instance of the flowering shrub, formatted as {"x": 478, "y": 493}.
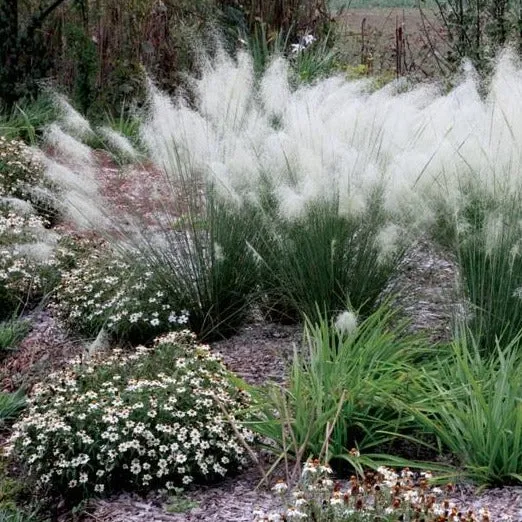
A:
{"x": 104, "y": 290}
{"x": 18, "y": 170}
{"x": 150, "y": 418}
{"x": 26, "y": 261}
{"x": 22, "y": 176}
{"x": 385, "y": 495}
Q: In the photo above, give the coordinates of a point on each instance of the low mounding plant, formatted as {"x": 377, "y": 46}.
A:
{"x": 19, "y": 171}
{"x": 385, "y": 495}
{"x": 154, "y": 417}
{"x": 339, "y": 389}
{"x": 22, "y": 177}
{"x": 104, "y": 290}
{"x": 26, "y": 261}
{"x": 472, "y": 404}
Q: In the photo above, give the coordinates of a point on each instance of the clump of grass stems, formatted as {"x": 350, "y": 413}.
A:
{"x": 201, "y": 259}
{"x": 484, "y": 234}
{"x": 324, "y": 259}
{"x": 472, "y": 404}
{"x": 11, "y": 333}
{"x": 11, "y": 404}
{"x": 26, "y": 121}
{"x": 338, "y": 393}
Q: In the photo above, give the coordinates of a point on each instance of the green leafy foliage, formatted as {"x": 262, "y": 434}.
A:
{"x": 11, "y": 405}
{"x": 25, "y": 121}
{"x": 339, "y": 389}
{"x": 11, "y": 333}
{"x": 472, "y": 404}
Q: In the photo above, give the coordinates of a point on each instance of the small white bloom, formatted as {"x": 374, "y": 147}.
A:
{"x": 346, "y": 322}
{"x": 280, "y": 487}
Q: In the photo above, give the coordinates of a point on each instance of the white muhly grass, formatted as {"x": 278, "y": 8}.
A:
{"x": 99, "y": 344}
{"x": 493, "y": 232}
{"x": 291, "y": 204}
{"x": 225, "y": 91}
{"x": 346, "y": 322}
{"x": 40, "y": 251}
{"x": 336, "y": 139}
{"x": 80, "y": 180}
{"x": 71, "y": 151}
{"x": 71, "y": 120}
{"x": 218, "y": 252}
{"x": 118, "y": 142}
{"x": 20, "y": 206}
{"x": 275, "y": 80}
{"x": 78, "y": 196}
{"x": 388, "y": 240}
{"x": 87, "y": 213}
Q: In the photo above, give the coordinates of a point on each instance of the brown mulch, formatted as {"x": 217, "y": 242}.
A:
{"x": 233, "y": 500}
{"x": 46, "y": 348}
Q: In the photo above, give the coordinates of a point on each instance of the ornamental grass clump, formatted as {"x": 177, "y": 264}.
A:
{"x": 489, "y": 253}
{"x": 324, "y": 258}
{"x": 342, "y": 390}
{"x": 155, "y": 417}
{"x": 472, "y": 405}
{"x": 384, "y": 495}
{"x": 201, "y": 260}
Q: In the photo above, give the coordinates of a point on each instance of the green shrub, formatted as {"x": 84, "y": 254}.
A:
{"x": 472, "y": 404}
{"x": 138, "y": 420}
{"x": 339, "y": 389}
